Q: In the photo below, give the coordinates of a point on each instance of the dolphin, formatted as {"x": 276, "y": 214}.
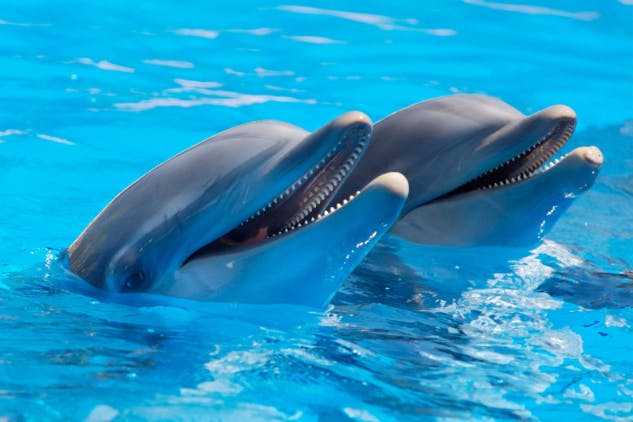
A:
{"x": 477, "y": 170}
{"x": 243, "y": 217}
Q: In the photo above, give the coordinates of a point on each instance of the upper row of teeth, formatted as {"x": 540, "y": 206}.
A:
{"x": 294, "y": 186}
{"x": 524, "y": 153}
{"x": 522, "y": 177}
{"x": 319, "y": 197}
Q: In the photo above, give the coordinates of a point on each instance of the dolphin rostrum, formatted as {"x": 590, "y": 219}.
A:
{"x": 477, "y": 170}
{"x": 243, "y": 217}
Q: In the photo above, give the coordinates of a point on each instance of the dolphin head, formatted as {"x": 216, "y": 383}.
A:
{"x": 470, "y": 144}
{"x": 243, "y": 185}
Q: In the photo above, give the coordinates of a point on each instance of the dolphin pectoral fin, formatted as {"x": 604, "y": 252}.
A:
{"x": 519, "y": 214}
{"x": 305, "y": 266}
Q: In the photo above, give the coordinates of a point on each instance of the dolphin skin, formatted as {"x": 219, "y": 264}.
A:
{"x": 477, "y": 170}
{"x": 219, "y": 220}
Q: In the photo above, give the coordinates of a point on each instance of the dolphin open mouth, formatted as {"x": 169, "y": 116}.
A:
{"x": 303, "y": 201}
{"x": 525, "y": 165}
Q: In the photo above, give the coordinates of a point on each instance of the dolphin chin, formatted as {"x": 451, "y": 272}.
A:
{"x": 455, "y": 151}
{"x": 225, "y": 197}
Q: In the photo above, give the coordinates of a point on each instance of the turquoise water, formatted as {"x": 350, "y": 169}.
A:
{"x": 94, "y": 95}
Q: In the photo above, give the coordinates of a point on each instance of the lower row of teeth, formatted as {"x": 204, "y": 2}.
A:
{"x": 325, "y": 213}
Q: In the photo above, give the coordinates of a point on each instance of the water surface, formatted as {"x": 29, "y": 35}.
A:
{"x": 94, "y": 95}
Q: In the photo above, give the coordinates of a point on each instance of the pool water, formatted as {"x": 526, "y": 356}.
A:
{"x": 94, "y": 95}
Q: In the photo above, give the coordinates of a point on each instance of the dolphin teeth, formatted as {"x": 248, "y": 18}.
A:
{"x": 315, "y": 196}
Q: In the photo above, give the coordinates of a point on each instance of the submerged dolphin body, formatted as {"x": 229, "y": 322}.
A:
{"x": 475, "y": 170}
{"x": 240, "y": 217}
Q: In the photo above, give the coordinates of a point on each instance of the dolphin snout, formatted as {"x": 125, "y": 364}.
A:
{"x": 557, "y": 112}
{"x": 593, "y": 155}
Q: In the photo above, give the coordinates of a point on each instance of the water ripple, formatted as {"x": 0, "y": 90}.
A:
{"x": 313, "y": 39}
{"x": 382, "y": 22}
{"x": 535, "y": 10}
{"x": 10, "y": 132}
{"x": 105, "y": 65}
{"x": 379, "y": 21}
{"x": 54, "y": 139}
{"x": 179, "y": 64}
{"x": 225, "y": 98}
{"x": 201, "y": 33}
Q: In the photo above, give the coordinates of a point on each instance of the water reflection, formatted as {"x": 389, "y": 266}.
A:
{"x": 535, "y": 10}
{"x": 105, "y": 65}
{"x": 381, "y": 22}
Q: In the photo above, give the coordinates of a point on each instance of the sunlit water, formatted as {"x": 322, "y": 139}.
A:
{"x": 93, "y": 96}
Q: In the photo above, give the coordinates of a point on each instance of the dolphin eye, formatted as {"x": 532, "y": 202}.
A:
{"x": 135, "y": 282}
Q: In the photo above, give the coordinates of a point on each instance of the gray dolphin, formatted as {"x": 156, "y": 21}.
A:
{"x": 475, "y": 170}
{"x": 241, "y": 217}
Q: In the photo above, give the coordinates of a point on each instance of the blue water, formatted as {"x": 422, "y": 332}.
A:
{"x": 94, "y": 95}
